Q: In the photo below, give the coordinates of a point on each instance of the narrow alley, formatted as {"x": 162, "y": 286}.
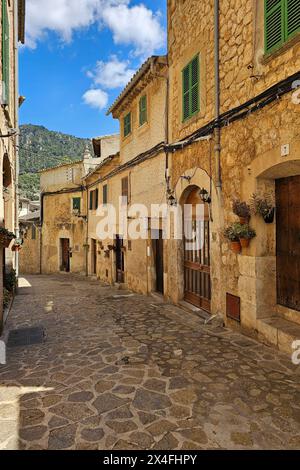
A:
{"x": 108, "y": 369}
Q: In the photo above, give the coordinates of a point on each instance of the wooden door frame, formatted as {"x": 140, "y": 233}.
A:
{"x": 62, "y": 240}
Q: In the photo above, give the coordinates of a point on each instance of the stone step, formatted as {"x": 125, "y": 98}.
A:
{"x": 279, "y": 332}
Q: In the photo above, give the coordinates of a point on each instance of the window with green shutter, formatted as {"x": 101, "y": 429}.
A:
{"x": 127, "y": 124}
{"x": 143, "y": 110}
{"x": 76, "y": 203}
{"x": 282, "y": 21}
{"x": 5, "y": 54}
{"x": 191, "y": 89}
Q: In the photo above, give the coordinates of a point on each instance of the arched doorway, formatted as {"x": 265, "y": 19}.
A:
{"x": 197, "y": 265}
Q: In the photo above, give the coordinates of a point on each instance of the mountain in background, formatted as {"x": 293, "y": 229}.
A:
{"x": 40, "y": 149}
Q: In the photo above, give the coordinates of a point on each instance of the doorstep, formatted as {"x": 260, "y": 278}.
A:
{"x": 279, "y": 332}
{"x": 191, "y": 308}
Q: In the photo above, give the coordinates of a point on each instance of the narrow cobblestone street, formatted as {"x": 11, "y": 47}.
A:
{"x": 121, "y": 371}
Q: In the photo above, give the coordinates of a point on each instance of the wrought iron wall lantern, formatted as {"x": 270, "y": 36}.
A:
{"x": 205, "y": 196}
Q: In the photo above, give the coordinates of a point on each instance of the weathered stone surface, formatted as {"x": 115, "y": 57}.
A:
{"x": 123, "y": 390}
{"x": 33, "y": 433}
{"x": 72, "y": 411}
{"x": 107, "y": 402}
{"x": 160, "y": 427}
{"x": 121, "y": 427}
{"x": 31, "y": 417}
{"x": 246, "y": 403}
{"x": 81, "y": 396}
{"x": 62, "y": 438}
{"x": 93, "y": 435}
{"x": 148, "y": 401}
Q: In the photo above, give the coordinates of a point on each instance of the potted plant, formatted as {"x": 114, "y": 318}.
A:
{"x": 6, "y": 237}
{"x": 264, "y": 206}
{"x": 245, "y": 235}
{"x": 231, "y": 233}
{"x": 242, "y": 210}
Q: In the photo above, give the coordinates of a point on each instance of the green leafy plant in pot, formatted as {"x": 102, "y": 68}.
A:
{"x": 232, "y": 235}
{"x": 242, "y": 210}
{"x": 245, "y": 235}
{"x": 263, "y": 206}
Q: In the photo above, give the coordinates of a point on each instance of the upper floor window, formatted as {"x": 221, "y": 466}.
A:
{"x": 191, "y": 89}
{"x": 127, "y": 124}
{"x": 143, "y": 110}
{"x": 33, "y": 232}
{"x": 125, "y": 190}
{"x": 94, "y": 198}
{"x": 105, "y": 194}
{"x": 282, "y": 21}
{"x": 76, "y": 203}
{"x": 5, "y": 54}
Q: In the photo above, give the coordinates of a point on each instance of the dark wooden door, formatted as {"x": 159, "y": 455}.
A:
{"x": 288, "y": 242}
{"x": 159, "y": 262}
{"x": 120, "y": 263}
{"x": 94, "y": 256}
{"x": 197, "y": 281}
{"x": 65, "y": 255}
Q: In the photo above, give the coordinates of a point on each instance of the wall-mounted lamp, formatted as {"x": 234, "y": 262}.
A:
{"x": 205, "y": 197}
{"x": 172, "y": 200}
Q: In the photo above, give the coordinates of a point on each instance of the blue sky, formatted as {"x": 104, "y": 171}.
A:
{"x": 78, "y": 57}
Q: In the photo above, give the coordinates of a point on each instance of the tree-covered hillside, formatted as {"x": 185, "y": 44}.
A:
{"x": 41, "y": 148}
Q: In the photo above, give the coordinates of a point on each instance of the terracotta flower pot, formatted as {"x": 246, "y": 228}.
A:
{"x": 245, "y": 242}
{"x": 236, "y": 247}
{"x": 244, "y": 220}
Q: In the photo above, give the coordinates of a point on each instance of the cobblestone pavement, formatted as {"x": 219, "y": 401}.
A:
{"x": 123, "y": 371}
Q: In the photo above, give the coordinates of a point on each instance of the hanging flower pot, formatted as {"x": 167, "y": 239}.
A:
{"x": 245, "y": 242}
{"x": 242, "y": 210}
{"x": 6, "y": 237}
{"x": 244, "y": 220}
{"x": 245, "y": 235}
{"x": 269, "y": 218}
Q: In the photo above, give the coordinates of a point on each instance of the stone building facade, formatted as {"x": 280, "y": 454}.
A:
{"x": 12, "y": 16}
{"x": 63, "y": 235}
{"x": 260, "y": 150}
{"x": 137, "y": 173}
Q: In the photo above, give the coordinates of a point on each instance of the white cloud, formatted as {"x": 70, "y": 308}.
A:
{"x": 135, "y": 26}
{"x": 96, "y": 98}
{"x": 112, "y": 74}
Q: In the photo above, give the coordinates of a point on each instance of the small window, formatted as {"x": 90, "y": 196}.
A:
{"x": 143, "y": 110}
{"x": 33, "y": 232}
{"x": 282, "y": 21}
{"x": 127, "y": 124}
{"x": 104, "y": 194}
{"x": 191, "y": 89}
{"x": 125, "y": 190}
{"x": 76, "y": 204}
{"x": 94, "y": 199}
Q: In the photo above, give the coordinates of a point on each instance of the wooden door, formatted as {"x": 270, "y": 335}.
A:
{"x": 120, "y": 264}
{"x": 94, "y": 256}
{"x": 197, "y": 281}
{"x": 288, "y": 242}
{"x": 159, "y": 262}
{"x": 65, "y": 254}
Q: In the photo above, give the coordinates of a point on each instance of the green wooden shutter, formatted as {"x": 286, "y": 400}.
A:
{"x": 91, "y": 200}
{"x": 274, "y": 24}
{"x": 127, "y": 124}
{"x": 105, "y": 194}
{"x": 194, "y": 106}
{"x": 292, "y": 17}
{"x": 5, "y": 54}
{"x": 143, "y": 110}
{"x": 191, "y": 88}
{"x": 97, "y": 198}
{"x": 186, "y": 92}
{"x": 76, "y": 203}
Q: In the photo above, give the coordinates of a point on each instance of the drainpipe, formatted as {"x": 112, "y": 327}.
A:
{"x": 17, "y": 139}
{"x": 217, "y": 96}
